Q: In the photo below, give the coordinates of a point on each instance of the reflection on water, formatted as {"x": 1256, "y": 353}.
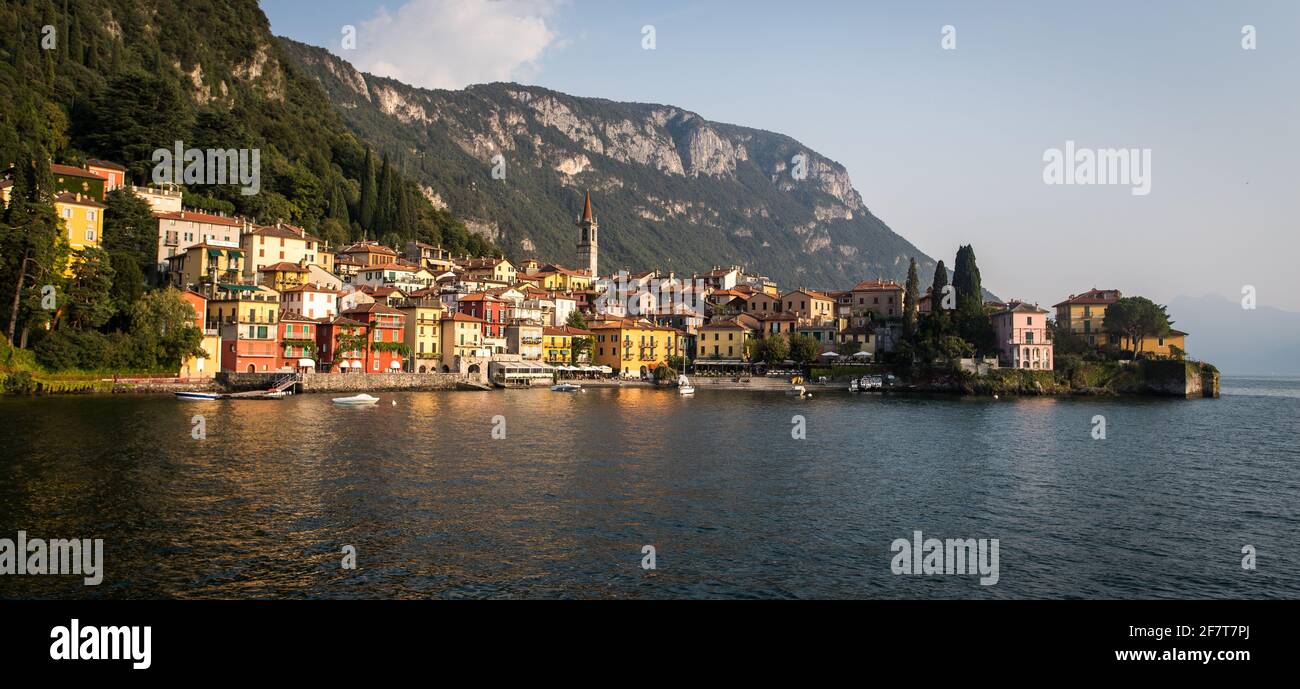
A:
{"x": 734, "y": 506}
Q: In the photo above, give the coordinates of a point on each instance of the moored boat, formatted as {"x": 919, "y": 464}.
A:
{"x": 684, "y": 386}
{"x": 198, "y": 396}
{"x": 566, "y": 387}
{"x": 355, "y": 400}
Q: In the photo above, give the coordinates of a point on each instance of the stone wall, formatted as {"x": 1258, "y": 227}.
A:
{"x": 347, "y": 382}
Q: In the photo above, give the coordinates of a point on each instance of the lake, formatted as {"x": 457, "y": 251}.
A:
{"x": 734, "y": 506}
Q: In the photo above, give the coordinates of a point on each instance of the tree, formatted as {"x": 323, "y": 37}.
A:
{"x": 162, "y": 323}
{"x": 369, "y": 193}
{"x": 973, "y": 324}
{"x": 1137, "y": 318}
{"x": 88, "y": 301}
{"x": 776, "y": 348}
{"x": 33, "y": 249}
{"x": 137, "y": 113}
{"x": 911, "y": 294}
{"x": 938, "y": 319}
{"x": 576, "y": 320}
{"x": 804, "y": 349}
{"x": 130, "y": 229}
{"x": 128, "y": 287}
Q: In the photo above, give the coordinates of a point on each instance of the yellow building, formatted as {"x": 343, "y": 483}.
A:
{"x": 1085, "y": 315}
{"x": 424, "y": 331}
{"x": 282, "y": 276}
{"x": 557, "y": 343}
{"x": 462, "y": 335}
{"x": 558, "y": 279}
{"x": 722, "y": 340}
{"x": 808, "y": 306}
{"x": 495, "y": 269}
{"x": 83, "y": 220}
{"x": 205, "y": 264}
{"x": 635, "y": 348}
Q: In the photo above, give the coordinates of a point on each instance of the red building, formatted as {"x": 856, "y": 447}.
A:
{"x": 386, "y": 336}
{"x": 340, "y": 345}
{"x": 488, "y": 308}
{"x": 297, "y": 341}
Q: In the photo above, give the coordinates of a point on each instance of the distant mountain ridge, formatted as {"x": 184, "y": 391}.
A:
{"x": 1239, "y": 341}
{"x": 671, "y": 189}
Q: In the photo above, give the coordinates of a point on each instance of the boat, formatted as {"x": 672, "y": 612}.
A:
{"x": 274, "y": 395}
{"x": 871, "y": 383}
{"x": 198, "y": 396}
{"x": 854, "y": 386}
{"x": 355, "y": 400}
{"x": 566, "y": 387}
{"x": 798, "y": 391}
{"x": 684, "y": 386}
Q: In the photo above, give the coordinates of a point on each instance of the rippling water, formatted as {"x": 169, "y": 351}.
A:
{"x": 734, "y": 506}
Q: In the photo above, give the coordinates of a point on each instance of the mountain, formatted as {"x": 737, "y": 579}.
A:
{"x": 670, "y": 188}
{"x": 118, "y": 79}
{"x": 1239, "y": 341}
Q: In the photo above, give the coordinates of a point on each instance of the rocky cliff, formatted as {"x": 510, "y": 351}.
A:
{"x": 671, "y": 189}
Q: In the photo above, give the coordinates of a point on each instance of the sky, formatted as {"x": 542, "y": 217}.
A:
{"x": 944, "y": 113}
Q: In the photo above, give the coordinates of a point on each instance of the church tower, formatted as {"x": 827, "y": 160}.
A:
{"x": 587, "y": 243}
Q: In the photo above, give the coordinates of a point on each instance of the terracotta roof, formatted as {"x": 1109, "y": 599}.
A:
{"x": 1093, "y": 296}
{"x": 77, "y": 199}
{"x": 876, "y": 284}
{"x": 391, "y": 266}
{"x": 461, "y": 316}
{"x": 812, "y": 293}
{"x": 312, "y": 287}
{"x": 374, "y": 307}
{"x": 723, "y": 324}
{"x": 773, "y": 316}
{"x": 295, "y": 315}
{"x": 191, "y": 216}
{"x": 73, "y": 171}
{"x": 286, "y": 231}
{"x": 478, "y": 296}
{"x": 564, "y": 331}
{"x": 367, "y": 247}
{"x": 108, "y": 165}
{"x": 284, "y": 267}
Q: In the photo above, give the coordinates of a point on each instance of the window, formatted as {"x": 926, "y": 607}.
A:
{"x": 90, "y": 233}
{"x": 1029, "y": 320}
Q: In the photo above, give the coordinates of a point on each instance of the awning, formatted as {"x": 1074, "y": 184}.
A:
{"x": 214, "y": 253}
{"x": 394, "y": 365}
{"x": 345, "y": 364}
{"x": 606, "y": 369}
{"x": 862, "y": 354}
{"x": 356, "y": 364}
{"x": 245, "y": 288}
{"x": 233, "y": 253}
{"x": 828, "y": 354}
{"x": 306, "y": 362}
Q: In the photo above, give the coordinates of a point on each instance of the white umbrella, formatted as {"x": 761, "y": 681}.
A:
{"x": 861, "y": 354}
{"x": 829, "y": 354}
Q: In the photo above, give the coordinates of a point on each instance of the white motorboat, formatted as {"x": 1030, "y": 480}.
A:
{"x": 197, "y": 396}
{"x": 871, "y": 383}
{"x": 854, "y": 386}
{"x": 355, "y": 400}
{"x": 566, "y": 387}
{"x": 684, "y": 386}
{"x": 798, "y": 391}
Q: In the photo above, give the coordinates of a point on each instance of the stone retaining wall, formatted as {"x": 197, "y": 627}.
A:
{"x": 347, "y": 382}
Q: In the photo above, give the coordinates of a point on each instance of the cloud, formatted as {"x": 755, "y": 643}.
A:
{"x": 453, "y": 43}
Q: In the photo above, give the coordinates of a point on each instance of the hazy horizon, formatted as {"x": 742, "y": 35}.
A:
{"x": 946, "y": 146}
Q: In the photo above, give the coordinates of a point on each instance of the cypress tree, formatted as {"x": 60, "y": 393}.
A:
{"x": 369, "y": 194}
{"x": 910, "y": 295}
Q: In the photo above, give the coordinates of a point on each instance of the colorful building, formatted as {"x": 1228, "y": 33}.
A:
{"x": 386, "y": 328}
{"x": 1023, "y": 338}
{"x": 297, "y": 341}
{"x": 884, "y": 298}
{"x": 178, "y": 230}
{"x": 635, "y": 347}
{"x": 808, "y": 306}
{"x": 83, "y": 220}
{"x": 424, "y": 331}
{"x": 722, "y": 340}
{"x": 75, "y": 180}
{"x": 462, "y": 337}
{"x": 202, "y": 366}
{"x": 205, "y": 264}
{"x": 341, "y": 345}
{"x": 557, "y": 344}
{"x": 1085, "y": 315}
{"x": 247, "y": 317}
{"x": 489, "y": 309}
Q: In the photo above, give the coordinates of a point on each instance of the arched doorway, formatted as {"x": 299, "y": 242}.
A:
{"x": 422, "y": 369}
{"x": 252, "y": 368}
{"x": 473, "y": 368}
{"x": 446, "y": 368}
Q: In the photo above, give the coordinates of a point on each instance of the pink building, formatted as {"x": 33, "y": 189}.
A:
{"x": 1023, "y": 339}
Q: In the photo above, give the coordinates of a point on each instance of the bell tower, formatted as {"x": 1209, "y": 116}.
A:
{"x": 588, "y": 246}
